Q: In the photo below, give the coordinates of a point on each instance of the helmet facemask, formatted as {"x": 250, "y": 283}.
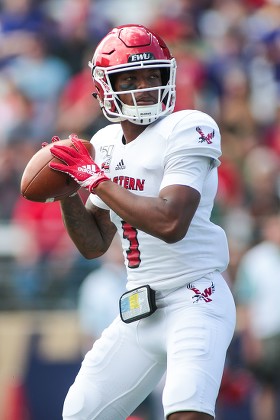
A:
{"x": 115, "y": 110}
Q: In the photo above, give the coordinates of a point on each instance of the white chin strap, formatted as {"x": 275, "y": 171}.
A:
{"x": 141, "y": 115}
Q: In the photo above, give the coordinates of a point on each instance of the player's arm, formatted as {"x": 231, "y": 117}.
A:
{"x": 166, "y": 217}
{"x": 89, "y": 227}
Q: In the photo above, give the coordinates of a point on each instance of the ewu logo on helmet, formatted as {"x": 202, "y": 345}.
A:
{"x": 141, "y": 57}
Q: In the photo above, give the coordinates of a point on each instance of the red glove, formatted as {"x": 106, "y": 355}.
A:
{"x": 78, "y": 163}
{"x": 54, "y": 139}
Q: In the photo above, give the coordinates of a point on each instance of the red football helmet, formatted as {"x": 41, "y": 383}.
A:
{"x": 133, "y": 47}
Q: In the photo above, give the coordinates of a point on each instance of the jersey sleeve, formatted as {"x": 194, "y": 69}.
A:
{"x": 190, "y": 172}
{"x": 193, "y": 149}
{"x": 196, "y": 134}
{"x": 98, "y": 202}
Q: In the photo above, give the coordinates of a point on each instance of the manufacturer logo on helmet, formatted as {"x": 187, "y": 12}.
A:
{"x": 141, "y": 57}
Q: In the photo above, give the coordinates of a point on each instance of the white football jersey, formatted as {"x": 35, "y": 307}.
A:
{"x": 182, "y": 148}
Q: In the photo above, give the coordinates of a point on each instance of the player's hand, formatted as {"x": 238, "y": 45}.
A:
{"x": 77, "y": 162}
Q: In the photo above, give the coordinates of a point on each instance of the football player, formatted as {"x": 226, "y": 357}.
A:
{"x": 153, "y": 180}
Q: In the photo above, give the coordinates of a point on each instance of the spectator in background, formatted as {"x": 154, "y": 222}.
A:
{"x": 84, "y": 26}
{"x": 13, "y": 157}
{"x": 19, "y": 19}
{"x": 15, "y": 108}
{"x": 77, "y": 112}
{"x": 258, "y": 197}
{"x": 256, "y": 291}
{"x": 105, "y": 284}
{"x": 41, "y": 77}
{"x": 272, "y": 134}
{"x": 261, "y": 180}
{"x": 48, "y": 257}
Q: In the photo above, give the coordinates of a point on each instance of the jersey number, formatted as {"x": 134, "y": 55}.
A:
{"x": 133, "y": 253}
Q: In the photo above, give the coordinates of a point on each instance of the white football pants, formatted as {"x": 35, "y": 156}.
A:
{"x": 187, "y": 337}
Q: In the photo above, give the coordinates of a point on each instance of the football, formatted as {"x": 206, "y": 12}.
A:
{"x": 42, "y": 184}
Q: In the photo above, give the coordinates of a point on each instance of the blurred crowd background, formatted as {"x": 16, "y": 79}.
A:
{"x": 228, "y": 55}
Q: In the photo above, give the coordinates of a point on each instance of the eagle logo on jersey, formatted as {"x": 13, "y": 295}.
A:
{"x": 205, "y": 295}
{"x": 208, "y": 137}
